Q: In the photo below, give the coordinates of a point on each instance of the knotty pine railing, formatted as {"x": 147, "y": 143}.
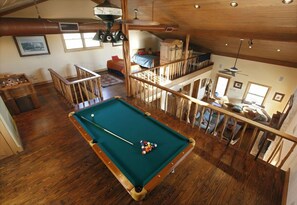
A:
{"x": 84, "y": 90}
{"x": 165, "y": 73}
{"x": 149, "y": 90}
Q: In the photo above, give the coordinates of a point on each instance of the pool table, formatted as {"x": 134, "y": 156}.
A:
{"x": 139, "y": 173}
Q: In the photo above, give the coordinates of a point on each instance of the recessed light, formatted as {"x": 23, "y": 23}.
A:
{"x": 233, "y": 4}
{"x": 287, "y": 1}
{"x": 196, "y": 6}
{"x": 226, "y": 44}
{"x": 278, "y": 50}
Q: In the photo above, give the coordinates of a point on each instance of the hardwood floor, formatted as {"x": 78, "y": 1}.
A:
{"x": 59, "y": 167}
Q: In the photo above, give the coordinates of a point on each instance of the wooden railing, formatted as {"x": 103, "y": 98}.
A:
{"x": 165, "y": 73}
{"x": 83, "y": 91}
{"x": 241, "y": 133}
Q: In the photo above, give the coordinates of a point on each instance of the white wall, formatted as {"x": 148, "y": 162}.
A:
{"x": 280, "y": 78}
{"x": 59, "y": 60}
{"x": 143, "y": 39}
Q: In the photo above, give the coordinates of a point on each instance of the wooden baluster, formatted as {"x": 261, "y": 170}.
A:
{"x": 271, "y": 157}
{"x": 201, "y": 117}
{"x": 188, "y": 112}
{"x": 75, "y": 94}
{"x": 195, "y": 114}
{"x": 217, "y": 122}
{"x": 209, "y": 120}
{"x": 181, "y": 108}
{"x": 252, "y": 141}
{"x": 80, "y": 92}
{"x": 242, "y": 134}
{"x": 86, "y": 91}
{"x": 233, "y": 131}
{"x": 224, "y": 126}
{"x": 166, "y": 102}
{"x": 287, "y": 156}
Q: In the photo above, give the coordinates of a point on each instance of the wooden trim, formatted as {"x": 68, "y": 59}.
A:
{"x": 286, "y": 187}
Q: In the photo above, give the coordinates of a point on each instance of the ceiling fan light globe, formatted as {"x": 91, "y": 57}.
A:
{"x": 233, "y": 69}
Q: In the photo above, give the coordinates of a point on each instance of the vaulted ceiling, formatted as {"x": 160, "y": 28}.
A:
{"x": 215, "y": 26}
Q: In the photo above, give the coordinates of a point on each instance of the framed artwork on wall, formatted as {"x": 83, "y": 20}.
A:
{"x": 237, "y": 85}
{"x": 31, "y": 45}
{"x": 278, "y": 97}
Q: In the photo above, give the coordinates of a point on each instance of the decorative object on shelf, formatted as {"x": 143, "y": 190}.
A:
{"x": 31, "y": 45}
{"x": 237, "y": 85}
{"x": 278, "y": 97}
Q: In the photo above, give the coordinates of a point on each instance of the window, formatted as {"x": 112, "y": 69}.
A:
{"x": 256, "y": 93}
{"x": 221, "y": 86}
{"x": 80, "y": 41}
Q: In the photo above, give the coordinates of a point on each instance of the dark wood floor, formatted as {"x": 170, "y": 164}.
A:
{"x": 59, "y": 167}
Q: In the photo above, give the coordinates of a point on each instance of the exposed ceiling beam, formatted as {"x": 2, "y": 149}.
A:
{"x": 259, "y": 59}
{"x": 18, "y": 6}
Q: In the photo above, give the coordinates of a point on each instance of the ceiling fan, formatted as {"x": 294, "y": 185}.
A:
{"x": 233, "y": 70}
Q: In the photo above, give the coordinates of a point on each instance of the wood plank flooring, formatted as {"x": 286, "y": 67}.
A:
{"x": 59, "y": 167}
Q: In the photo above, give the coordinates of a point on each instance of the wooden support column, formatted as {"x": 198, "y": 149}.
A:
{"x": 126, "y": 47}
{"x": 186, "y": 52}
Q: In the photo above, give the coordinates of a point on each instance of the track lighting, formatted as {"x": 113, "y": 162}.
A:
{"x": 233, "y": 4}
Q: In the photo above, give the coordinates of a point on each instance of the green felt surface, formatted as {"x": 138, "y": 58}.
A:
{"x": 131, "y": 124}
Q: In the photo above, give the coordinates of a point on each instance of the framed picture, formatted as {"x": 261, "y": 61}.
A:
{"x": 31, "y": 45}
{"x": 278, "y": 97}
{"x": 237, "y": 84}
{"x": 119, "y": 43}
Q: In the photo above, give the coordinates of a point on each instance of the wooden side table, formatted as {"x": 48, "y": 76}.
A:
{"x": 16, "y": 86}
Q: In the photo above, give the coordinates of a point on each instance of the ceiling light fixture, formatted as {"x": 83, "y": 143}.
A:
{"x": 278, "y": 50}
{"x": 233, "y": 4}
{"x": 196, "y": 6}
{"x": 226, "y": 44}
{"x": 250, "y": 42}
{"x": 287, "y": 1}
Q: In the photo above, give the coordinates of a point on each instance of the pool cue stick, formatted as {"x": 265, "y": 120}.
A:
{"x": 106, "y": 130}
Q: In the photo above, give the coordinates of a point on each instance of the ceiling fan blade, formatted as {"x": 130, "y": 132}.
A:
{"x": 242, "y": 74}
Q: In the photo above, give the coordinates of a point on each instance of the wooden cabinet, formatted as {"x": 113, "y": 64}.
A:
{"x": 15, "y": 90}
{"x": 170, "y": 50}
{"x": 10, "y": 142}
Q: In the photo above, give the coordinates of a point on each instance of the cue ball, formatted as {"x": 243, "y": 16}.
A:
{"x": 143, "y": 152}
{"x": 92, "y": 115}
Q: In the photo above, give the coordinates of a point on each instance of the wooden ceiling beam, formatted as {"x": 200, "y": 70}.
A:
{"x": 16, "y": 7}
{"x": 287, "y": 35}
{"x": 259, "y": 59}
{"x": 155, "y": 28}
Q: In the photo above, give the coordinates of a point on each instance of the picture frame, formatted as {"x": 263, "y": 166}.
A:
{"x": 31, "y": 45}
{"x": 237, "y": 84}
{"x": 278, "y": 97}
{"x": 119, "y": 43}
